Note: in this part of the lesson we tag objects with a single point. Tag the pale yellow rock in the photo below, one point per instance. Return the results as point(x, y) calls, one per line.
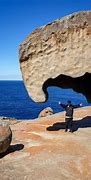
point(61, 47)
point(46, 112)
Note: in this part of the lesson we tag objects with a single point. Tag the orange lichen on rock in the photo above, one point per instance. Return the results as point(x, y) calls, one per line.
point(40, 148)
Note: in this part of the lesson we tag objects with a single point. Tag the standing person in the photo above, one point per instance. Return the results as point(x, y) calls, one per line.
point(69, 108)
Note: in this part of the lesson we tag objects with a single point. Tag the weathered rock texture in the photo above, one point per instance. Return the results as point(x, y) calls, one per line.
point(61, 50)
point(41, 150)
point(5, 136)
point(46, 112)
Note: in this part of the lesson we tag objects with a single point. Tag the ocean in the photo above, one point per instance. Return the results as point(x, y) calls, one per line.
point(15, 102)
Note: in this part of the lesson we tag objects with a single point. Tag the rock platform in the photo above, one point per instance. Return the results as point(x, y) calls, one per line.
point(41, 150)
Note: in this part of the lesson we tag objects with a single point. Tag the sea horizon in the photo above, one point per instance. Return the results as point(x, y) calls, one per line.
point(16, 103)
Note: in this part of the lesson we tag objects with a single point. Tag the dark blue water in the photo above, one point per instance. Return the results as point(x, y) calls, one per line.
point(15, 102)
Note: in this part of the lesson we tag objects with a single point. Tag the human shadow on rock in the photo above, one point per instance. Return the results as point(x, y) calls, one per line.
point(82, 123)
point(11, 149)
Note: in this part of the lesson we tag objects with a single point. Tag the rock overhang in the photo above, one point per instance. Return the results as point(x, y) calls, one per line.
point(57, 54)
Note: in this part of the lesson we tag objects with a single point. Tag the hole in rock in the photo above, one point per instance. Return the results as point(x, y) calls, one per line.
point(80, 84)
point(56, 94)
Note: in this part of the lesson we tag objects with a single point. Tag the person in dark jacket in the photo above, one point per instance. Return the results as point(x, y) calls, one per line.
point(69, 108)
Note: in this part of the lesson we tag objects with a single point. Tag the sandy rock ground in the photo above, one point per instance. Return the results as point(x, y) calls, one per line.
point(42, 150)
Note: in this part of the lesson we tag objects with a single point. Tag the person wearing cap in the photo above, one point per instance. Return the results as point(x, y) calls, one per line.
point(69, 108)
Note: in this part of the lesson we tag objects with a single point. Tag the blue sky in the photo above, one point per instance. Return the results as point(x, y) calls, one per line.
point(19, 17)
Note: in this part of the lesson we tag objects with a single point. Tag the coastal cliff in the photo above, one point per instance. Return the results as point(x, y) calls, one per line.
point(41, 150)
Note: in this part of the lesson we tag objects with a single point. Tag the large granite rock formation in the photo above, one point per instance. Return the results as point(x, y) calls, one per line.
point(58, 54)
point(5, 136)
point(46, 112)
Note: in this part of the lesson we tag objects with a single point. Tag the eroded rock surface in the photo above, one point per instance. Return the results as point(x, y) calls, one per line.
point(62, 47)
point(42, 150)
point(5, 136)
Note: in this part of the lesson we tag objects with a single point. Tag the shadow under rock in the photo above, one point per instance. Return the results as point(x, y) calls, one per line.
point(11, 149)
point(82, 123)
